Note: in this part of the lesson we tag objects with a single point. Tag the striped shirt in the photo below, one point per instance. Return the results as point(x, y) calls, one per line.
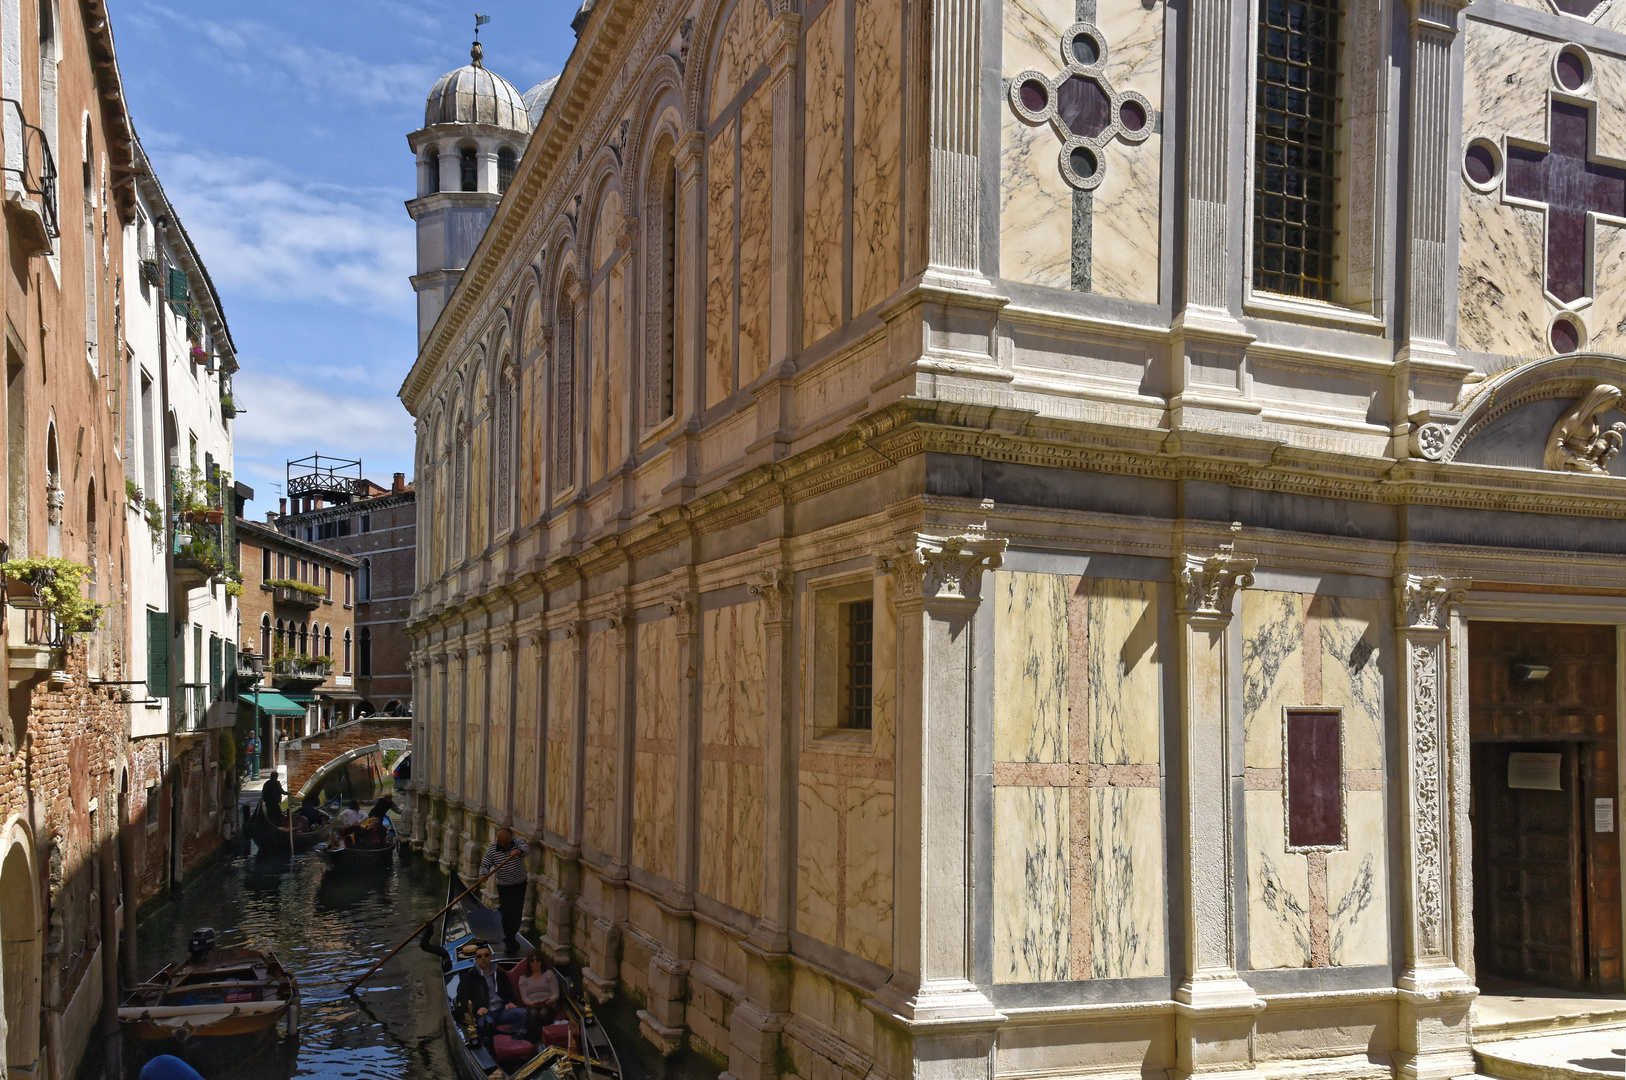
point(512, 872)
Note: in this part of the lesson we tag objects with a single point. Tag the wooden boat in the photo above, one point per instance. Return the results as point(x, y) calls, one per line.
point(588, 1055)
point(214, 993)
point(273, 839)
point(352, 857)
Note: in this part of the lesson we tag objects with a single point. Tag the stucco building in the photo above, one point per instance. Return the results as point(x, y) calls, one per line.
point(1070, 537)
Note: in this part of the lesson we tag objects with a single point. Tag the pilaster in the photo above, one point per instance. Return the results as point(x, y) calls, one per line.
point(1435, 993)
point(1214, 1009)
point(689, 315)
point(603, 943)
point(952, 115)
point(932, 994)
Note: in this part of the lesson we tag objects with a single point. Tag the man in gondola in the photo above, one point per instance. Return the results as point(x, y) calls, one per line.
point(271, 796)
point(511, 875)
point(482, 994)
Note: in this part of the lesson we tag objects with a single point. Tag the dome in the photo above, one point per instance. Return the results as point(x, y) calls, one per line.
point(536, 98)
point(473, 95)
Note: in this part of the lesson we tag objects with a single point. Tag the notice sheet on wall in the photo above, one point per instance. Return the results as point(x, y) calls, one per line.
point(1539, 771)
point(1603, 815)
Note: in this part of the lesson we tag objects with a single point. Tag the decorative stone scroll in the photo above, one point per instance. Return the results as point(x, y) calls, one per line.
point(1579, 442)
point(1423, 601)
point(943, 567)
point(1209, 584)
point(773, 588)
point(1082, 107)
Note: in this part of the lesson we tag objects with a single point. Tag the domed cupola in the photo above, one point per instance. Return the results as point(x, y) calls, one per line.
point(536, 99)
point(474, 95)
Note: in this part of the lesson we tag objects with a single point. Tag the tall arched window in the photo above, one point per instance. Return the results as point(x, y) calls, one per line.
point(265, 635)
point(327, 640)
point(282, 639)
point(460, 479)
point(366, 580)
point(503, 494)
point(431, 166)
point(564, 385)
point(505, 169)
point(364, 666)
point(347, 644)
point(661, 274)
point(468, 170)
point(304, 639)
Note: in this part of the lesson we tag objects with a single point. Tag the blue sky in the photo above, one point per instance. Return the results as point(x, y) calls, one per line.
point(279, 132)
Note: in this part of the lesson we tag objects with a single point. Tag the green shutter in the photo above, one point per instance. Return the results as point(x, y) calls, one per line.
point(158, 654)
point(230, 660)
point(178, 291)
point(216, 678)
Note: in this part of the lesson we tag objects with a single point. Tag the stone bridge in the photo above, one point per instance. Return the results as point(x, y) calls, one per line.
point(315, 759)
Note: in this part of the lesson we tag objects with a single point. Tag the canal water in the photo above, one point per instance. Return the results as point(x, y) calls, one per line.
point(328, 928)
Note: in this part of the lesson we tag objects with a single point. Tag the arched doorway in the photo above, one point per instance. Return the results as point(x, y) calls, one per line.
point(19, 956)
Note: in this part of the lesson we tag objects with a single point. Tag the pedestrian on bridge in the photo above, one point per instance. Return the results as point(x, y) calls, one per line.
point(510, 883)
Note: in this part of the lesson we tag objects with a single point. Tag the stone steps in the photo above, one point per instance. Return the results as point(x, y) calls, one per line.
point(1581, 1054)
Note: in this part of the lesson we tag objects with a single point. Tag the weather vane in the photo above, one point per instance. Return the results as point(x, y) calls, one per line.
point(479, 21)
point(476, 50)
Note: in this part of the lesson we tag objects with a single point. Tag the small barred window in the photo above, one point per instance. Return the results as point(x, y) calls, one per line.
point(858, 639)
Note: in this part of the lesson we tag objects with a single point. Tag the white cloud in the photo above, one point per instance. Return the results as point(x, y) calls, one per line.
point(278, 236)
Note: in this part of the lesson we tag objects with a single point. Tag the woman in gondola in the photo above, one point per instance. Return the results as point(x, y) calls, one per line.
point(536, 985)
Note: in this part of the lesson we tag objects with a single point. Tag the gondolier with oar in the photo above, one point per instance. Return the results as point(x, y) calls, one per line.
point(510, 878)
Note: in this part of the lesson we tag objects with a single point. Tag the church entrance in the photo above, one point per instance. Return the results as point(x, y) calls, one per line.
point(1545, 784)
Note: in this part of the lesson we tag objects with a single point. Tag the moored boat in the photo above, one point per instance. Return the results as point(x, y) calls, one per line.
point(356, 857)
point(574, 1047)
point(213, 993)
point(273, 839)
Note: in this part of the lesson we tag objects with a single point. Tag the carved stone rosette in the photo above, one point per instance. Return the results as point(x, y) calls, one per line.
point(935, 568)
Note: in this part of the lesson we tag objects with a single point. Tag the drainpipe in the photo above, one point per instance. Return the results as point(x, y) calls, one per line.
point(108, 854)
point(177, 856)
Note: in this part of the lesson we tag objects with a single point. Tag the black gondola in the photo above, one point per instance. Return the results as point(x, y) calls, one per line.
point(354, 857)
point(273, 839)
point(589, 1053)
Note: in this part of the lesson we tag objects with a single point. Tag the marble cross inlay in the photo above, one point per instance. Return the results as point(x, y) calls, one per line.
point(1572, 184)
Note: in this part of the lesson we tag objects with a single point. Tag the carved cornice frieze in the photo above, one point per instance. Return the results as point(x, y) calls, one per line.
point(1424, 601)
point(942, 568)
point(1209, 583)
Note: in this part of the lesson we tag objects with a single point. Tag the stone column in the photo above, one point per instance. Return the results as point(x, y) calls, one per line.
point(689, 321)
point(1427, 372)
point(932, 994)
point(948, 113)
point(758, 1020)
point(1214, 1008)
point(662, 1018)
point(1435, 993)
point(603, 944)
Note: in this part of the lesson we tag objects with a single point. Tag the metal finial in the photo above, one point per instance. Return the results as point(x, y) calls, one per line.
point(478, 53)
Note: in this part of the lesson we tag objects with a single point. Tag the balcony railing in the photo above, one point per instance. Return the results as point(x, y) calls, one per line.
point(192, 707)
point(298, 669)
point(287, 594)
point(37, 169)
point(250, 667)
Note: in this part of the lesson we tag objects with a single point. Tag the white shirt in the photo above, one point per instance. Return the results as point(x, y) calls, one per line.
point(348, 817)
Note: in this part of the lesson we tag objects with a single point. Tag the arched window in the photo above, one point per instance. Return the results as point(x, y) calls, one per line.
point(505, 169)
point(304, 639)
point(347, 644)
point(467, 169)
point(431, 165)
point(282, 639)
point(564, 385)
point(265, 635)
point(505, 450)
point(366, 580)
point(661, 276)
point(54, 495)
point(364, 667)
point(327, 640)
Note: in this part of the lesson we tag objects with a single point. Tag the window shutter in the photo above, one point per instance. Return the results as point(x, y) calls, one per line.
point(177, 292)
point(216, 678)
point(230, 659)
point(158, 654)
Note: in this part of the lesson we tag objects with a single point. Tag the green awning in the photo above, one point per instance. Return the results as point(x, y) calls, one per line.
point(269, 701)
point(303, 699)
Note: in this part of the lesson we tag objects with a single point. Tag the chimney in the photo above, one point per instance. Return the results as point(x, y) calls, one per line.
point(282, 507)
point(398, 485)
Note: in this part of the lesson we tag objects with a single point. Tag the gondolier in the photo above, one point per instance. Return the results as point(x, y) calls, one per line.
point(510, 879)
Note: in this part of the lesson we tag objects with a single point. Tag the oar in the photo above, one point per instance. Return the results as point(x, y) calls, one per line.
point(351, 989)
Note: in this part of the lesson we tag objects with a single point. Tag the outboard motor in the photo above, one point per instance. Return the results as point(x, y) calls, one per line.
point(202, 943)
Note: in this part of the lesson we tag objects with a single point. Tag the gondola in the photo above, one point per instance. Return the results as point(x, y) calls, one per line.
point(273, 839)
point(213, 993)
point(352, 857)
point(585, 1053)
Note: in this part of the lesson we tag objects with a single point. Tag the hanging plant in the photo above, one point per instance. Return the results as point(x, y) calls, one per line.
point(234, 589)
point(57, 583)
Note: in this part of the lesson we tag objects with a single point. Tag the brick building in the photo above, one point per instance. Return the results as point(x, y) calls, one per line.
point(69, 150)
point(377, 527)
point(296, 671)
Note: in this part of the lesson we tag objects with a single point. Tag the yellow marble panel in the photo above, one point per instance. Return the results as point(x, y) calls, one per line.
point(884, 697)
point(1352, 674)
point(869, 869)
point(597, 380)
point(598, 805)
point(1127, 896)
point(1031, 889)
point(818, 863)
point(497, 796)
point(720, 265)
point(1357, 893)
point(561, 723)
point(1125, 222)
point(824, 145)
point(454, 729)
point(525, 731)
point(1030, 667)
point(616, 381)
point(1278, 888)
point(655, 767)
point(756, 202)
point(736, 53)
point(733, 712)
point(1125, 672)
point(714, 830)
point(877, 153)
point(751, 707)
point(474, 763)
point(1272, 672)
point(606, 229)
point(1035, 205)
point(745, 891)
point(479, 494)
point(1032, 33)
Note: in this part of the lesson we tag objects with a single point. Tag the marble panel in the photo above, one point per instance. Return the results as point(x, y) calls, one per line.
point(1125, 672)
point(654, 834)
point(737, 51)
point(714, 830)
point(1030, 667)
point(616, 380)
point(823, 168)
point(1030, 901)
point(756, 203)
point(561, 722)
point(745, 890)
point(733, 713)
point(750, 676)
point(1127, 896)
point(1134, 33)
point(1035, 205)
point(597, 381)
point(497, 795)
point(1278, 888)
point(1272, 671)
point(877, 154)
point(1352, 674)
point(1609, 84)
point(869, 869)
point(884, 697)
point(1032, 33)
point(606, 229)
point(1506, 76)
point(526, 736)
point(598, 806)
point(454, 735)
point(1126, 222)
point(819, 862)
point(720, 265)
point(1608, 334)
point(479, 488)
point(1357, 892)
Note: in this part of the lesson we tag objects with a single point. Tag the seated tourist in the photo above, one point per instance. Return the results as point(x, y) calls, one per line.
point(536, 985)
point(481, 997)
point(311, 810)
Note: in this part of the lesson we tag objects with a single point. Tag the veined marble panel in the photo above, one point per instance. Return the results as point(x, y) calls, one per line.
point(877, 135)
point(733, 712)
point(869, 869)
point(500, 733)
point(526, 737)
point(1126, 210)
point(1278, 888)
point(479, 489)
point(1125, 672)
point(819, 864)
point(1357, 892)
point(561, 722)
point(824, 145)
point(737, 54)
point(615, 365)
point(1030, 667)
point(1032, 34)
point(1272, 672)
point(598, 804)
point(1032, 915)
point(884, 695)
point(654, 800)
point(1608, 334)
point(1035, 205)
point(1506, 76)
point(1126, 894)
point(756, 200)
point(1352, 674)
point(720, 265)
point(454, 729)
point(597, 380)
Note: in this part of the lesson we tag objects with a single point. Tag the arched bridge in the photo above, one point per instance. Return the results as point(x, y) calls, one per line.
point(318, 759)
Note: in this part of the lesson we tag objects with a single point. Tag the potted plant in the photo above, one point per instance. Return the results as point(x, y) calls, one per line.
point(55, 585)
point(228, 407)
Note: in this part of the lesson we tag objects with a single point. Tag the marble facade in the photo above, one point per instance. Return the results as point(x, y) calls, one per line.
point(1118, 513)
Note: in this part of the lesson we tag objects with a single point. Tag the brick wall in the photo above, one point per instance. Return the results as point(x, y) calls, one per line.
point(317, 751)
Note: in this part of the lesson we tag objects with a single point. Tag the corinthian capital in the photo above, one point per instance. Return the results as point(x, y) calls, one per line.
point(1423, 600)
point(1209, 583)
point(772, 587)
point(942, 567)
